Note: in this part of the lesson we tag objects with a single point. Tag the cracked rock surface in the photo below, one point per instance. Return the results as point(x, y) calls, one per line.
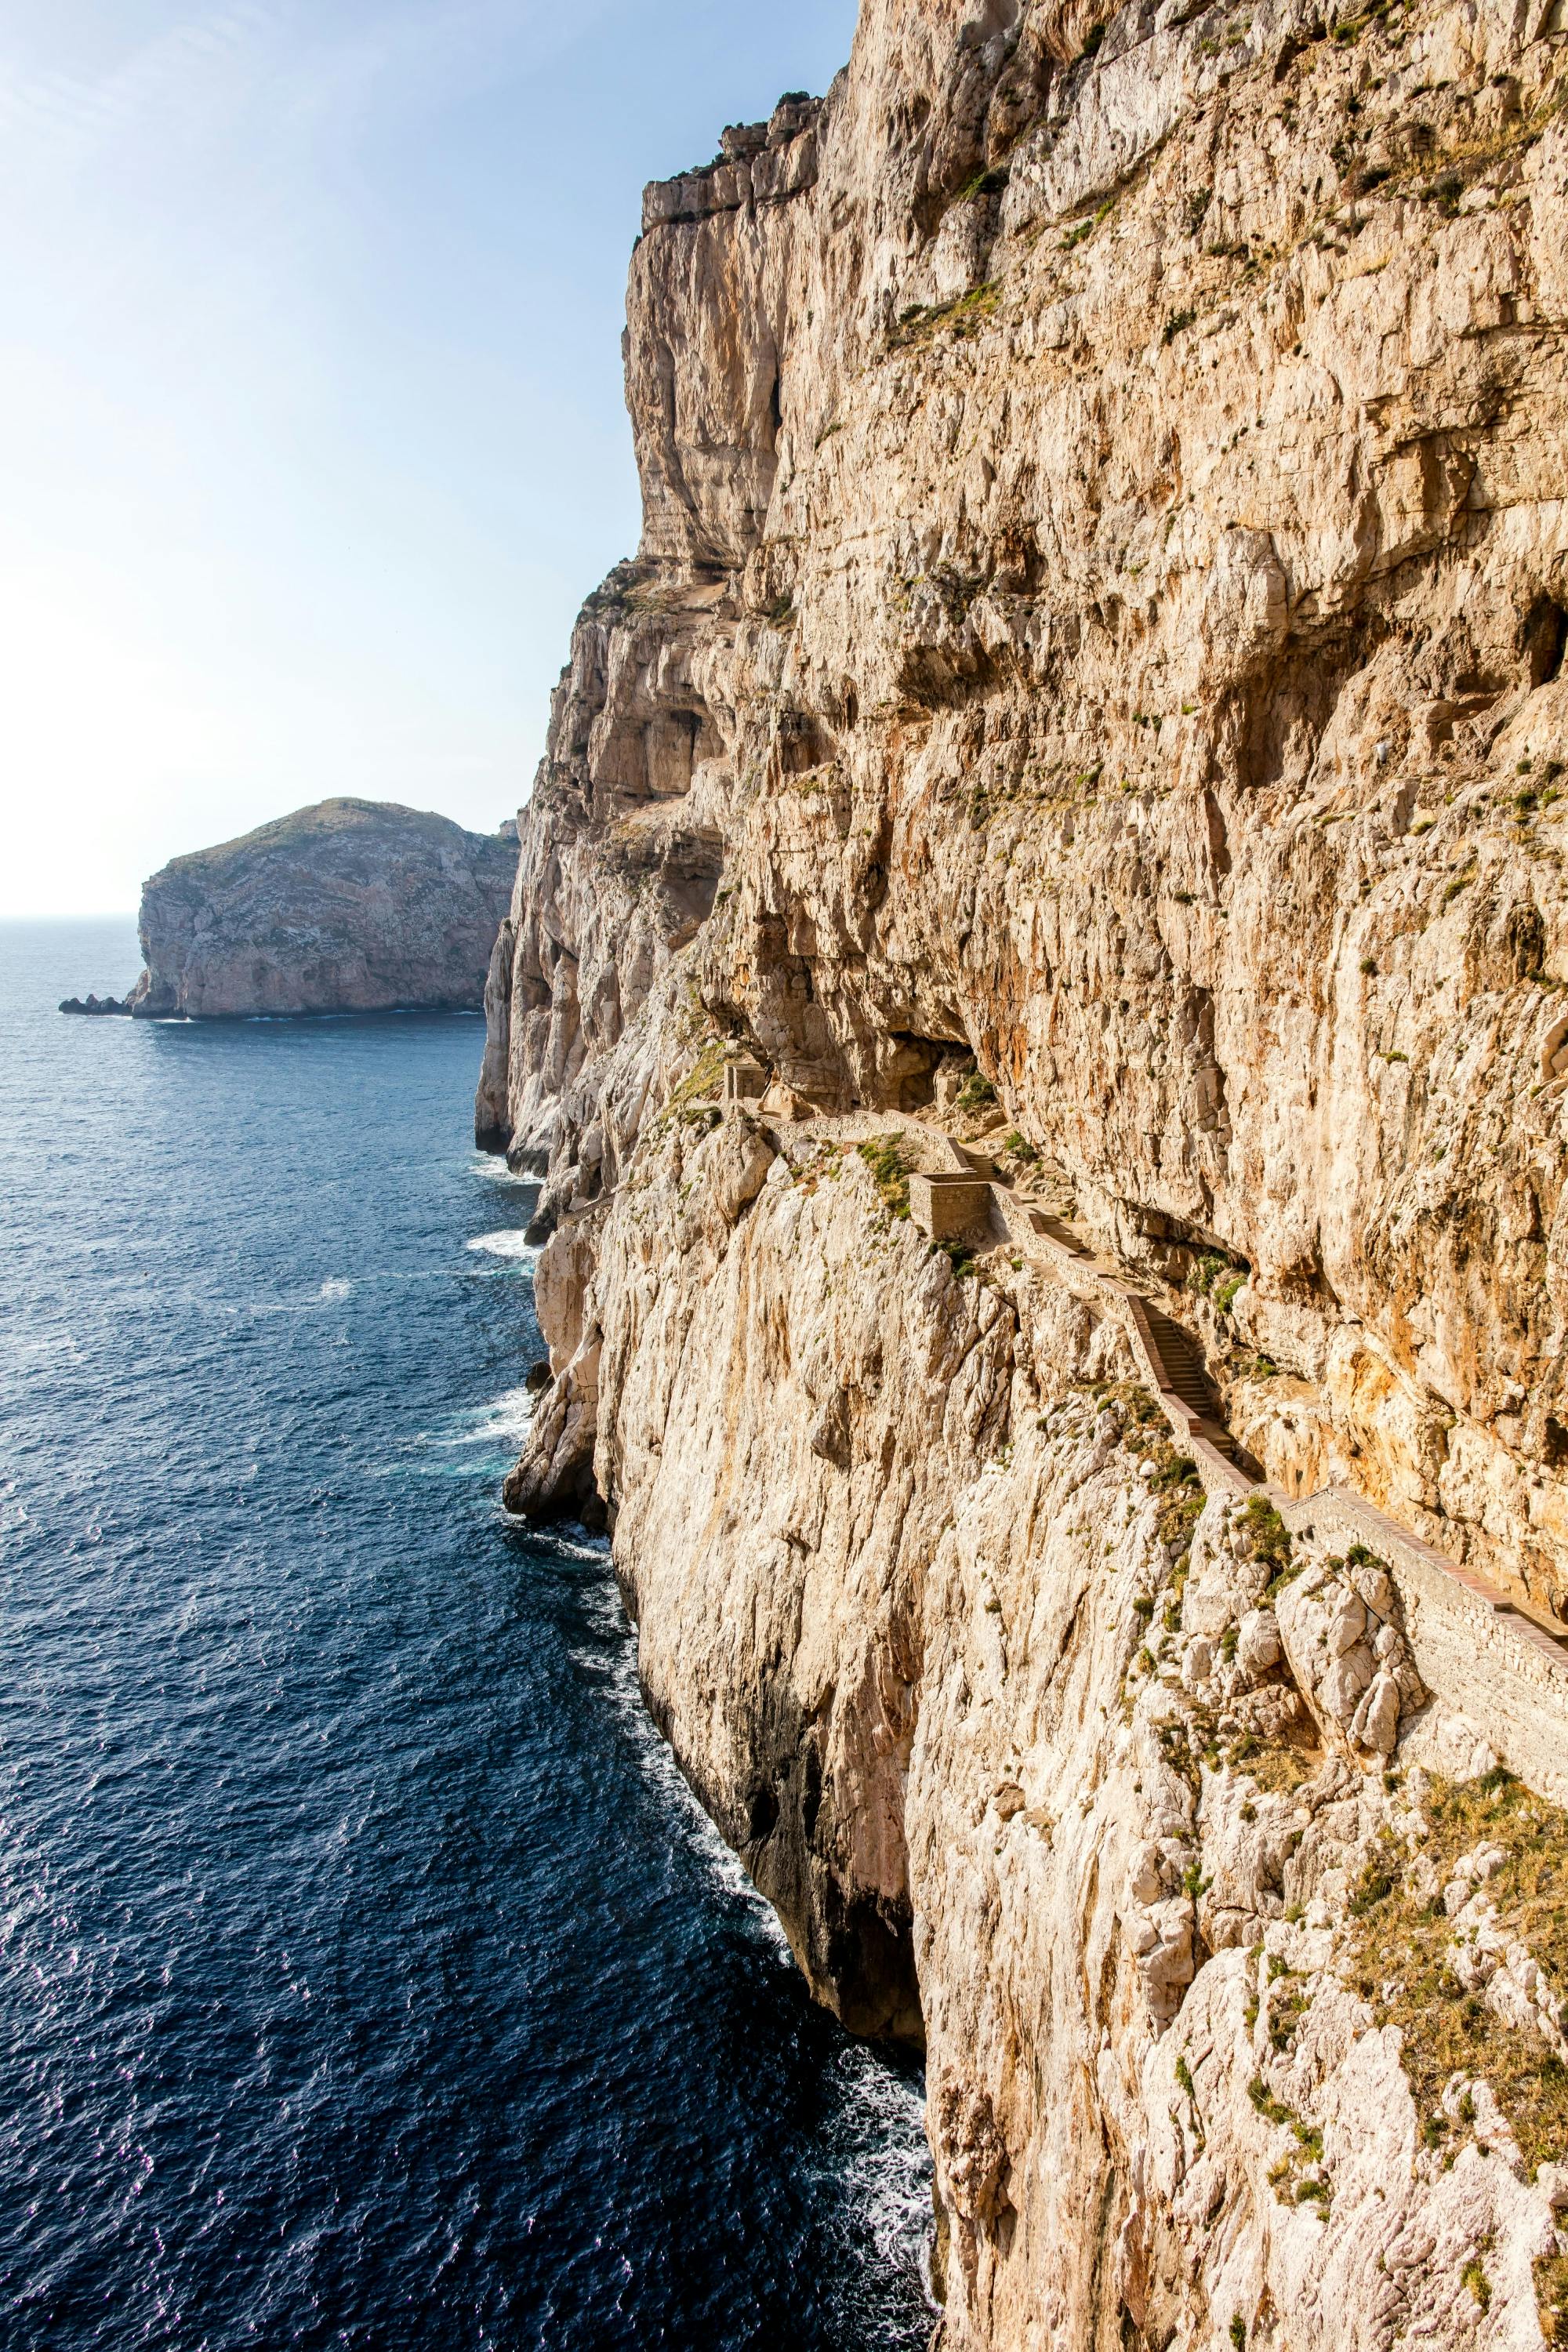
point(1093, 677)
point(1101, 610)
point(1027, 1743)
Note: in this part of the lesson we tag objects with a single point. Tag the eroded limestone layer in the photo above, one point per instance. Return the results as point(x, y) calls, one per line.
point(1093, 677)
point(1240, 1972)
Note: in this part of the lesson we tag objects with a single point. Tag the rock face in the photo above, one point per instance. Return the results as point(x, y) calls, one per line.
point(348, 907)
point(1092, 679)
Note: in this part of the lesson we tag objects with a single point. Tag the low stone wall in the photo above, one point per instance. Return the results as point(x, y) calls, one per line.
point(1484, 1659)
point(945, 1207)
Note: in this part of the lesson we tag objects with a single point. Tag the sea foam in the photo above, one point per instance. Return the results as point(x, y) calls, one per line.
point(510, 1242)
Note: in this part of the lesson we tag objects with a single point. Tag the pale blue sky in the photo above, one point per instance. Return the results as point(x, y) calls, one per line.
point(310, 429)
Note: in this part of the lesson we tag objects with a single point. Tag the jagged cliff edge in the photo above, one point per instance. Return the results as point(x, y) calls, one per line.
point(1098, 643)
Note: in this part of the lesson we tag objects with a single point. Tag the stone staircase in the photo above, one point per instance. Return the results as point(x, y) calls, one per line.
point(1187, 1379)
point(969, 1197)
point(1170, 1355)
point(1492, 1658)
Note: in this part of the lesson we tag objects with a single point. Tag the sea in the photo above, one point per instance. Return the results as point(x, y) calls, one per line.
point(368, 1975)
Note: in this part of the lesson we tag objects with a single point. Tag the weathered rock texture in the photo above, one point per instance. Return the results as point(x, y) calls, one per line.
point(99, 1005)
point(348, 907)
point(1098, 637)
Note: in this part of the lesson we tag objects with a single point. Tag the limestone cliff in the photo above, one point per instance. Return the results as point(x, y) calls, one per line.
point(1089, 706)
point(348, 906)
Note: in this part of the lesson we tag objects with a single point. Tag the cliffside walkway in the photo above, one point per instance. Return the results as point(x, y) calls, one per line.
point(1489, 1656)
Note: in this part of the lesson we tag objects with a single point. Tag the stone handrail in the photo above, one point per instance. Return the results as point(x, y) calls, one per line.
point(1483, 1655)
point(1487, 1659)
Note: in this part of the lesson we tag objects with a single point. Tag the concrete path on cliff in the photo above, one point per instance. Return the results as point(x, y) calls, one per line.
point(1489, 1654)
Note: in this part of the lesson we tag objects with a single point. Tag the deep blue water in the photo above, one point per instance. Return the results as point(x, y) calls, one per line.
point(367, 1977)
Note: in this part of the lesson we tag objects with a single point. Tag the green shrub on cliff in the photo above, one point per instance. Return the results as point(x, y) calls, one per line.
point(886, 1159)
point(975, 1093)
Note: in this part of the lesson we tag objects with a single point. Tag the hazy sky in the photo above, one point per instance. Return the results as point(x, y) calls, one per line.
point(310, 429)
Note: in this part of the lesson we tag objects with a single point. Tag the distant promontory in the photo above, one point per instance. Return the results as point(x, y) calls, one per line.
point(348, 907)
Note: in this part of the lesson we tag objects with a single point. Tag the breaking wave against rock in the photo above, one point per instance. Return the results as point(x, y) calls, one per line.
point(508, 1243)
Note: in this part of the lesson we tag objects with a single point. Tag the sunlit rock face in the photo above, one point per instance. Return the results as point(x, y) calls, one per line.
point(348, 906)
point(1100, 626)
point(1141, 666)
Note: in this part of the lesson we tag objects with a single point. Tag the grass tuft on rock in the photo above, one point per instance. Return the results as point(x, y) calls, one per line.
point(1400, 1958)
point(1147, 1434)
point(977, 1093)
point(962, 317)
point(1268, 1541)
point(704, 1082)
point(885, 1157)
point(1552, 2297)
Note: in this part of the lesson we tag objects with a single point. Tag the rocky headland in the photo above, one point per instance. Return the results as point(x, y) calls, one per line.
point(348, 907)
point(1037, 993)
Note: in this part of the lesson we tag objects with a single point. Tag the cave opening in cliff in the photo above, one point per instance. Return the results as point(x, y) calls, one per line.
point(1545, 637)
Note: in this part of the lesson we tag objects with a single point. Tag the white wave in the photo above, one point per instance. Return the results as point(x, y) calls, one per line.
point(886, 2169)
point(507, 1244)
point(505, 1422)
point(616, 1671)
point(586, 1547)
point(334, 1290)
point(878, 2159)
point(491, 1171)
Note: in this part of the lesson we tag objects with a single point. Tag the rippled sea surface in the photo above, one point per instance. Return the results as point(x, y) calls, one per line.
point(367, 1977)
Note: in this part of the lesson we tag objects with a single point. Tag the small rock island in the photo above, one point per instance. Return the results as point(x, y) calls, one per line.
point(351, 906)
point(95, 1005)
